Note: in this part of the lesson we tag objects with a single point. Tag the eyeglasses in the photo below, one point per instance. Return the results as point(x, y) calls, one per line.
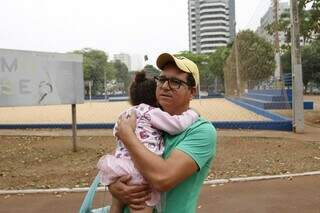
point(173, 83)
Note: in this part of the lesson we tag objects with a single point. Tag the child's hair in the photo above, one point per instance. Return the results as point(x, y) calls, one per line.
point(143, 90)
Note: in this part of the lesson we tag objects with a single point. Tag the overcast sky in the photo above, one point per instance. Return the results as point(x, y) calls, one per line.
point(135, 27)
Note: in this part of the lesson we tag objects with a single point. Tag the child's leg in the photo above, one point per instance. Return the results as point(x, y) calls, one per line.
point(116, 206)
point(147, 209)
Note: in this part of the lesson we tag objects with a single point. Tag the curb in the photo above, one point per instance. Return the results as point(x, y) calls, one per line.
point(210, 182)
point(257, 178)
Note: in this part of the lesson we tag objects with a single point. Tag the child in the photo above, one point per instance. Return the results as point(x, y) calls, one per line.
point(151, 121)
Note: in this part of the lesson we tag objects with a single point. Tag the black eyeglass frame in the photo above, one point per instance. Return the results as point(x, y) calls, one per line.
point(165, 79)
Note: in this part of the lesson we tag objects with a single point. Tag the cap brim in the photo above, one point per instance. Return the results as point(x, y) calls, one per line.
point(164, 59)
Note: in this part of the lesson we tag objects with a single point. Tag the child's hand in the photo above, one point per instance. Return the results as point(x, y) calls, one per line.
point(130, 120)
point(126, 124)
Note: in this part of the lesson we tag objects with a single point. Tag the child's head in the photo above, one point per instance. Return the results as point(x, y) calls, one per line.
point(143, 90)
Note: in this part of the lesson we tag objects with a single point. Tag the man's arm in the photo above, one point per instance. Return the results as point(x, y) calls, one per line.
point(162, 174)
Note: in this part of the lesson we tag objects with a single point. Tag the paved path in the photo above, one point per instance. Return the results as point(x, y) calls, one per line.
point(295, 196)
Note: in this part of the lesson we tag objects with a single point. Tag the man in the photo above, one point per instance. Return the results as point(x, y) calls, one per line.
point(187, 156)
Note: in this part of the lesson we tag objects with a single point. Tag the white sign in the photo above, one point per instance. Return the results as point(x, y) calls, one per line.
point(30, 78)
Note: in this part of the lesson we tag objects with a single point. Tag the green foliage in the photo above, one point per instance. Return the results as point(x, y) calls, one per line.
point(309, 21)
point(95, 68)
point(286, 61)
point(310, 63)
point(122, 75)
point(199, 59)
point(210, 66)
point(217, 61)
point(313, 14)
point(256, 62)
point(229, 74)
point(202, 61)
point(151, 71)
point(256, 57)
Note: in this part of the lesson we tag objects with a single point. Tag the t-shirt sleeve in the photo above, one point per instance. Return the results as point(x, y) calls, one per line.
point(200, 144)
point(172, 124)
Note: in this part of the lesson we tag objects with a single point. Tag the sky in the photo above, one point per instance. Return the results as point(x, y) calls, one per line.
point(144, 27)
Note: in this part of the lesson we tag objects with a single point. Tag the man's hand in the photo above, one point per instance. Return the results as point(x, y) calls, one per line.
point(126, 125)
point(133, 195)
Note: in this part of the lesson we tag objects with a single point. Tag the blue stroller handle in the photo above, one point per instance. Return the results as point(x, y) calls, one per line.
point(86, 206)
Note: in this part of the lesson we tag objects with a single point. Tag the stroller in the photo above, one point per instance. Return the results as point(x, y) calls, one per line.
point(86, 206)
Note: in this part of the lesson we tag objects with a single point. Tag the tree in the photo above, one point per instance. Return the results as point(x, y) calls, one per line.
point(313, 14)
point(217, 61)
point(256, 61)
point(122, 76)
point(151, 71)
point(210, 67)
point(202, 61)
point(309, 21)
point(95, 68)
point(310, 63)
point(198, 59)
point(256, 56)
point(286, 61)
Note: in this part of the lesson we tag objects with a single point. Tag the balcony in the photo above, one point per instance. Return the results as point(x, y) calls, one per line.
point(214, 41)
point(214, 35)
point(213, 11)
point(214, 32)
point(212, 28)
point(212, 16)
point(212, 4)
point(208, 46)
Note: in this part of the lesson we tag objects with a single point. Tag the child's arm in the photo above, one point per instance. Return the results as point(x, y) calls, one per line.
point(172, 124)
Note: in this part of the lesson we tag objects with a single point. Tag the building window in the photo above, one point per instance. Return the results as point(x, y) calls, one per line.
point(214, 24)
point(214, 36)
point(209, 48)
point(214, 42)
point(215, 19)
point(212, 30)
point(213, 7)
point(213, 13)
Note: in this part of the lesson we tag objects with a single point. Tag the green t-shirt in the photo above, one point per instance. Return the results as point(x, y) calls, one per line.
point(199, 142)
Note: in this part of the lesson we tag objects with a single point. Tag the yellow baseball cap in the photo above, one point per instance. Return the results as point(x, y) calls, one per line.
point(184, 64)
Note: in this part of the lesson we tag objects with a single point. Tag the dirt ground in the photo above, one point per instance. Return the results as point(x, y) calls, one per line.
point(311, 117)
point(48, 161)
point(42, 161)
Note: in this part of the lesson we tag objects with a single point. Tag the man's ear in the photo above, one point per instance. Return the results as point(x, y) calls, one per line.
point(193, 92)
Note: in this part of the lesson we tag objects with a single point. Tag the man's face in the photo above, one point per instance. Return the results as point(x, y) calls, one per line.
point(172, 100)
